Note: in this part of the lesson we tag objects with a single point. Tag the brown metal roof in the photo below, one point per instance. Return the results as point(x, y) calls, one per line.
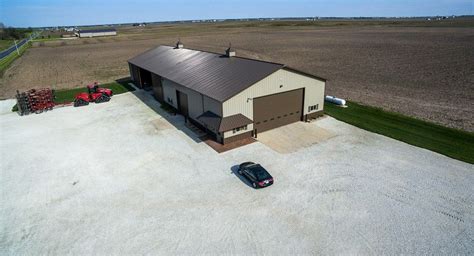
point(217, 123)
point(230, 122)
point(214, 75)
point(211, 120)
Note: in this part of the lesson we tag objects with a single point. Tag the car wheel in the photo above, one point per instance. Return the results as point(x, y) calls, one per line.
point(254, 185)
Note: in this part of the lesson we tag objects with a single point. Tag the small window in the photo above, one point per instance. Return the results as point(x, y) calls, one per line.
point(239, 129)
point(291, 113)
point(258, 122)
point(314, 107)
point(278, 117)
point(265, 121)
point(271, 119)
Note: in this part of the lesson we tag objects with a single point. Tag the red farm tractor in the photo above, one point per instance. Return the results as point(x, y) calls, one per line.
point(93, 94)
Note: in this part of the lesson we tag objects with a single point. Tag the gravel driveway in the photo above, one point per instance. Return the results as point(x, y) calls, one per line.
point(118, 178)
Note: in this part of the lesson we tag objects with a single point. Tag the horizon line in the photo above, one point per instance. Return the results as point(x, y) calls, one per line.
point(248, 19)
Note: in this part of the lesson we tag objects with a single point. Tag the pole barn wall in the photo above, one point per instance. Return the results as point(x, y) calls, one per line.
point(278, 82)
point(97, 34)
point(134, 74)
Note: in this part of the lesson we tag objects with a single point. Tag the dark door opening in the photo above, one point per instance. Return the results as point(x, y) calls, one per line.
point(145, 79)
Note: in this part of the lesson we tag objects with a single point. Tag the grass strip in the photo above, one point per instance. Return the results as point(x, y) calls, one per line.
point(450, 142)
point(67, 95)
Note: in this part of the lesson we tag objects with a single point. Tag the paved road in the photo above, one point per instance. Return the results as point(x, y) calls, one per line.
point(6, 52)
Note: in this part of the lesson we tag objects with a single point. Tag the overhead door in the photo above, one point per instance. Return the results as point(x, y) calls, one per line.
point(277, 109)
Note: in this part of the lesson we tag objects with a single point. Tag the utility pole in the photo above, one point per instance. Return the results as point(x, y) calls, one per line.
point(16, 46)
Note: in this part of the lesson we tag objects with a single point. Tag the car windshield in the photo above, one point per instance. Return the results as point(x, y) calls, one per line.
point(260, 173)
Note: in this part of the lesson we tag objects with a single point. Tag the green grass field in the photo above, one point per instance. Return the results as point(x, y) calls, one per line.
point(67, 96)
point(5, 44)
point(450, 142)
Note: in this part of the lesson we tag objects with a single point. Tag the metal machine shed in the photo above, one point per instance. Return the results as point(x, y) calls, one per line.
point(230, 97)
point(97, 32)
point(211, 74)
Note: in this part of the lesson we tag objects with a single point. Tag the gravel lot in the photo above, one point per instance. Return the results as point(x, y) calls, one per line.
point(118, 178)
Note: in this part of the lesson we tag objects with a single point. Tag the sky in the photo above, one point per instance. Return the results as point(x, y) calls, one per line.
point(38, 13)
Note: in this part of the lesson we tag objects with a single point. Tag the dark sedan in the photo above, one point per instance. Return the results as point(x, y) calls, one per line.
point(258, 176)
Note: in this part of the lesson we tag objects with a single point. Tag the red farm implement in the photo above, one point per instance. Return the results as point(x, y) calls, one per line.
point(35, 101)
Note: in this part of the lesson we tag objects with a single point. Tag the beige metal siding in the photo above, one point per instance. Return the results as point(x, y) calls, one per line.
point(242, 102)
point(231, 133)
point(212, 105)
point(288, 80)
point(197, 103)
point(169, 93)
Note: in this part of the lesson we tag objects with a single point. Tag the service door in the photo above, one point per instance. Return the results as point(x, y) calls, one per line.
point(277, 110)
point(157, 87)
point(182, 103)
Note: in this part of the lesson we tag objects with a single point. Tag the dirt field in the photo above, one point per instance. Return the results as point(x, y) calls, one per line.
point(426, 72)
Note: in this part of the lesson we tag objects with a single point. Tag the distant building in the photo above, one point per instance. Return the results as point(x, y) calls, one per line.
point(97, 32)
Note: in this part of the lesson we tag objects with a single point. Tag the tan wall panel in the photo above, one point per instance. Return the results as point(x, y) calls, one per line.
point(242, 102)
point(169, 93)
point(212, 105)
point(95, 34)
point(197, 103)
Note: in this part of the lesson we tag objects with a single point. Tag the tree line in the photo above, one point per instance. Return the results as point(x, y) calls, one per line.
point(14, 33)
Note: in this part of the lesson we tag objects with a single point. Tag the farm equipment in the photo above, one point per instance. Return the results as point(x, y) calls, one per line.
point(94, 94)
point(35, 101)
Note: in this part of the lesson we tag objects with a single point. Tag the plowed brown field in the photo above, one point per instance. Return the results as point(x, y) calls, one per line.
point(425, 72)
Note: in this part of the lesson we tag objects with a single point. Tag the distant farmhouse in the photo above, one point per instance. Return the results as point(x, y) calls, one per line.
point(97, 32)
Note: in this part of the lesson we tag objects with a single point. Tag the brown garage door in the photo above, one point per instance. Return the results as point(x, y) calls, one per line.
point(277, 110)
point(182, 103)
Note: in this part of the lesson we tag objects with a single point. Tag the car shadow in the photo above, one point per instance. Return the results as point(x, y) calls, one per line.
point(235, 170)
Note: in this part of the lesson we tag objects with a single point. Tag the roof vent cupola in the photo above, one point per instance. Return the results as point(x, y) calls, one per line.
point(179, 44)
point(230, 52)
